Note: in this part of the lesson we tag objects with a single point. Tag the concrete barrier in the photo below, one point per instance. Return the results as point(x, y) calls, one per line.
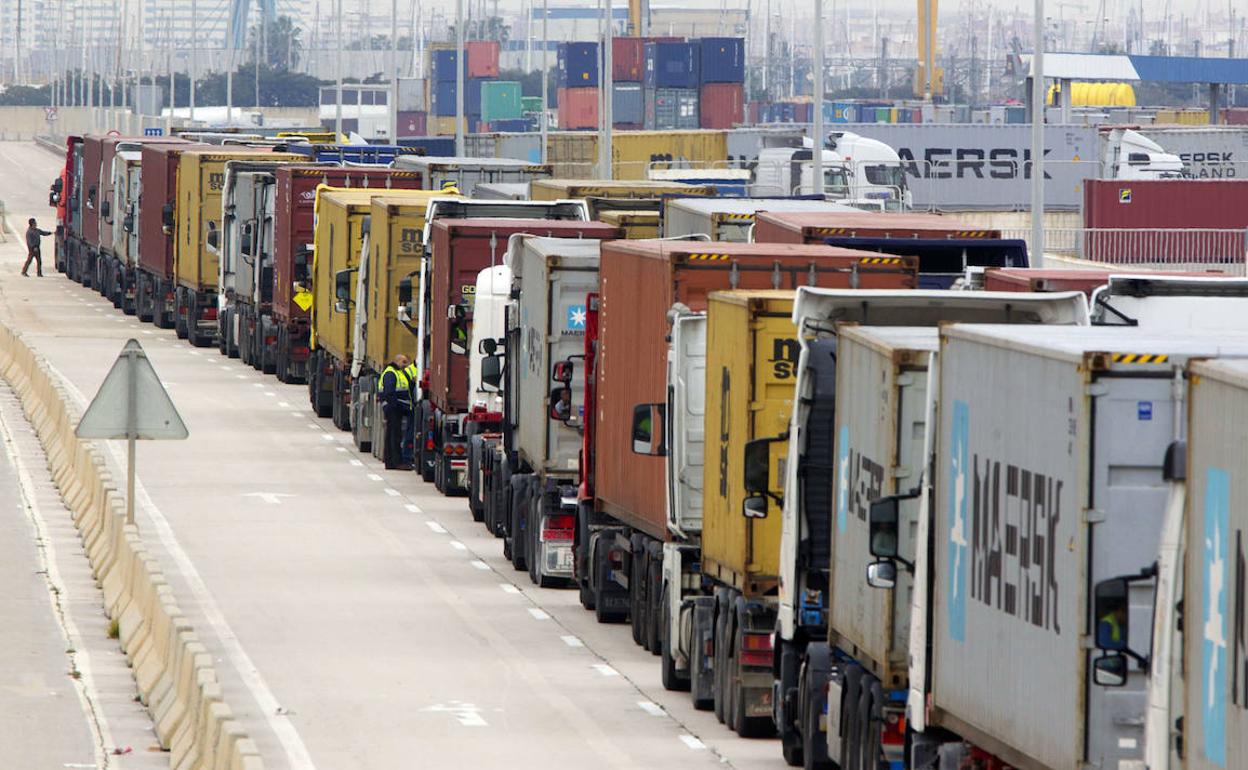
point(173, 672)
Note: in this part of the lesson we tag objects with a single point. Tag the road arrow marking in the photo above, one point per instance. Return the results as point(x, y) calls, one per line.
point(272, 498)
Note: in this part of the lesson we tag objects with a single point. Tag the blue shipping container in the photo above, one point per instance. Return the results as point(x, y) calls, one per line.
point(445, 60)
point(433, 146)
point(380, 154)
point(671, 65)
point(444, 97)
point(578, 65)
point(722, 59)
point(519, 125)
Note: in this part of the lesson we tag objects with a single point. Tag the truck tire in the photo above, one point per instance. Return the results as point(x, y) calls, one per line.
point(601, 571)
point(160, 314)
point(179, 314)
point(851, 690)
point(700, 667)
point(786, 706)
point(533, 522)
point(476, 494)
point(636, 587)
point(223, 332)
point(342, 409)
point(516, 529)
point(719, 649)
point(654, 601)
point(813, 702)
point(583, 558)
point(671, 677)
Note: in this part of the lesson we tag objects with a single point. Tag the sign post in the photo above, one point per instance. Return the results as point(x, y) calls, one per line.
point(131, 404)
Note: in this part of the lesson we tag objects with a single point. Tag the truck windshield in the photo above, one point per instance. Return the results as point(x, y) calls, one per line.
point(836, 182)
point(886, 176)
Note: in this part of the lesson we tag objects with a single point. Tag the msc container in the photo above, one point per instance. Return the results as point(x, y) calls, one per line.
point(500, 100)
point(578, 65)
point(574, 155)
point(640, 280)
point(628, 59)
point(1215, 721)
point(465, 173)
point(462, 248)
point(1044, 279)
point(1050, 450)
point(671, 108)
point(578, 108)
point(722, 105)
point(482, 58)
point(554, 276)
point(751, 371)
point(445, 62)
point(730, 219)
point(671, 65)
point(814, 227)
point(721, 59)
point(633, 224)
point(557, 189)
point(627, 105)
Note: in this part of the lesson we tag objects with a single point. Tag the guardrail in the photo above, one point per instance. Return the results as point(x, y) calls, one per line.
point(1200, 249)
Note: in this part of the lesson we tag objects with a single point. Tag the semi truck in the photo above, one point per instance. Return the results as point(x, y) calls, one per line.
point(732, 219)
point(461, 248)
point(63, 195)
point(858, 170)
point(486, 344)
point(127, 185)
point(816, 503)
point(287, 327)
point(82, 261)
point(464, 174)
point(622, 515)
point(158, 205)
point(201, 178)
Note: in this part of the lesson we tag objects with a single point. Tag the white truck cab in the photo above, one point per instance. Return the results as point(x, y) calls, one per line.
point(1127, 154)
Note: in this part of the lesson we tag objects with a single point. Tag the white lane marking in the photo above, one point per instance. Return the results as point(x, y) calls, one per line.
point(436, 527)
point(356, 463)
point(651, 708)
point(272, 498)
point(538, 614)
point(466, 714)
point(257, 384)
point(148, 331)
point(243, 377)
point(374, 477)
point(508, 588)
point(328, 437)
point(605, 670)
point(412, 508)
point(572, 641)
point(292, 744)
point(313, 425)
point(337, 448)
point(692, 742)
point(193, 352)
point(296, 414)
point(283, 405)
point(271, 394)
point(478, 564)
point(458, 546)
point(392, 492)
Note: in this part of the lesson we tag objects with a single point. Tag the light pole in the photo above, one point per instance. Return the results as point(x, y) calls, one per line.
point(545, 73)
point(394, 71)
point(460, 62)
point(1037, 138)
point(816, 154)
point(607, 79)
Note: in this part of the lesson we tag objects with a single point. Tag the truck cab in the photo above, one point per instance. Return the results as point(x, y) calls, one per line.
point(863, 172)
point(1128, 154)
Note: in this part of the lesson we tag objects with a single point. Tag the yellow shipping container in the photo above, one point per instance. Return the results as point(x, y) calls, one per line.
point(635, 224)
point(558, 189)
point(575, 154)
point(444, 125)
point(751, 368)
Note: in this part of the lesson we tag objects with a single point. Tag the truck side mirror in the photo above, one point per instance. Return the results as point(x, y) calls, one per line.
point(405, 291)
point(166, 218)
point(754, 507)
point(127, 223)
point(1110, 670)
point(487, 346)
point(562, 372)
point(106, 211)
point(342, 290)
point(882, 574)
point(214, 236)
point(492, 370)
point(648, 430)
point(561, 404)
point(758, 466)
point(882, 526)
point(1111, 612)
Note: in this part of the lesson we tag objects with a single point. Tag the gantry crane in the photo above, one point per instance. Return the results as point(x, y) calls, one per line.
point(929, 80)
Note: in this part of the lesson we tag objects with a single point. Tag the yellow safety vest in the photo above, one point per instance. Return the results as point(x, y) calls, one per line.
point(401, 380)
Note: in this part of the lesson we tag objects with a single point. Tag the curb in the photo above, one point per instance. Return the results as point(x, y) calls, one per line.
point(172, 670)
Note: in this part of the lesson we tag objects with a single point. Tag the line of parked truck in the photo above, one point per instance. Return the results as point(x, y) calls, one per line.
point(861, 480)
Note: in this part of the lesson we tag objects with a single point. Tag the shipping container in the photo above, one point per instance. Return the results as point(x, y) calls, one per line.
point(482, 58)
point(575, 155)
point(465, 173)
point(157, 227)
point(635, 225)
point(531, 104)
point(578, 108)
point(632, 367)
point(627, 104)
point(814, 227)
point(722, 105)
point(731, 219)
point(557, 189)
point(92, 169)
point(971, 166)
point(671, 65)
point(721, 60)
point(431, 146)
point(1215, 722)
point(671, 108)
point(1044, 279)
point(444, 125)
point(413, 95)
point(462, 248)
point(445, 62)
point(501, 191)
point(500, 100)
point(578, 65)
point(1039, 509)
point(412, 123)
point(442, 99)
point(628, 59)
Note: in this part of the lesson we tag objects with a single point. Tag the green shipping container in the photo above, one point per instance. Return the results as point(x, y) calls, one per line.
point(500, 100)
point(530, 105)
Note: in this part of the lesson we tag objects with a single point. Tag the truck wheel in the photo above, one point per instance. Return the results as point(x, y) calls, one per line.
point(475, 493)
point(636, 587)
point(851, 688)
point(223, 332)
point(672, 678)
point(160, 315)
point(732, 684)
point(719, 661)
point(785, 710)
point(179, 315)
point(814, 745)
point(533, 545)
point(700, 668)
point(655, 609)
point(518, 532)
point(602, 570)
point(582, 557)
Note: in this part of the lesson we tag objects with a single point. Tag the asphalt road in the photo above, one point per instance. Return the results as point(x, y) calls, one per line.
point(359, 619)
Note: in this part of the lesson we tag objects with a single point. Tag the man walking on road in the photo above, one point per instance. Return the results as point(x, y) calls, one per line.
point(396, 400)
point(33, 234)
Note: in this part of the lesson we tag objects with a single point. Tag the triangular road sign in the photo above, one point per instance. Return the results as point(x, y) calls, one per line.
point(132, 403)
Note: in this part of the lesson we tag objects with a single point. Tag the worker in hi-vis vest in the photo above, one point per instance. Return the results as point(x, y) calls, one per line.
point(409, 434)
point(396, 401)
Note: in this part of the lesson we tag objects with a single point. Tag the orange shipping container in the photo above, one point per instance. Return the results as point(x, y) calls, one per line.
point(640, 280)
point(813, 227)
point(578, 108)
point(482, 58)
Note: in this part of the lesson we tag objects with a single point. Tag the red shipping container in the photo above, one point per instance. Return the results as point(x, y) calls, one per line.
point(1041, 279)
point(640, 280)
point(628, 59)
point(92, 156)
point(814, 226)
point(722, 105)
point(482, 58)
point(1235, 116)
point(413, 123)
point(160, 188)
point(1218, 207)
point(578, 108)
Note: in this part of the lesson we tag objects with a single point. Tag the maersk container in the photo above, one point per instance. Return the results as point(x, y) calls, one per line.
point(672, 65)
point(578, 65)
point(881, 411)
point(1209, 152)
point(730, 219)
point(721, 59)
point(1215, 722)
point(555, 276)
point(1049, 480)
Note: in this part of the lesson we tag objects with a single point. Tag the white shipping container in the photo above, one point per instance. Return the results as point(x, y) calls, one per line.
point(1049, 480)
point(1208, 152)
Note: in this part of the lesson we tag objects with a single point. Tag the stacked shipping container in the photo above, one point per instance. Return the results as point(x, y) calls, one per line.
point(722, 68)
point(578, 85)
point(671, 86)
point(480, 69)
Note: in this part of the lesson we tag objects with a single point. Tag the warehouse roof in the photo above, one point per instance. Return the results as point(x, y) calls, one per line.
point(1158, 69)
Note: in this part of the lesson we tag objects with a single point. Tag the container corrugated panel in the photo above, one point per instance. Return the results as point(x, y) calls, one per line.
point(555, 275)
point(413, 95)
point(159, 189)
point(671, 108)
point(627, 104)
point(482, 58)
point(500, 100)
point(461, 249)
point(751, 367)
point(557, 189)
point(671, 65)
point(443, 98)
point(1044, 279)
point(814, 227)
point(578, 108)
point(640, 281)
point(439, 146)
point(339, 237)
point(722, 59)
point(728, 219)
point(722, 105)
point(1176, 204)
point(628, 59)
point(92, 159)
point(445, 62)
point(578, 65)
point(575, 155)
point(881, 394)
point(413, 124)
point(1215, 720)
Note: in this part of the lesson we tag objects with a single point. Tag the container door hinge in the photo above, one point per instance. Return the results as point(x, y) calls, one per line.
point(1093, 516)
